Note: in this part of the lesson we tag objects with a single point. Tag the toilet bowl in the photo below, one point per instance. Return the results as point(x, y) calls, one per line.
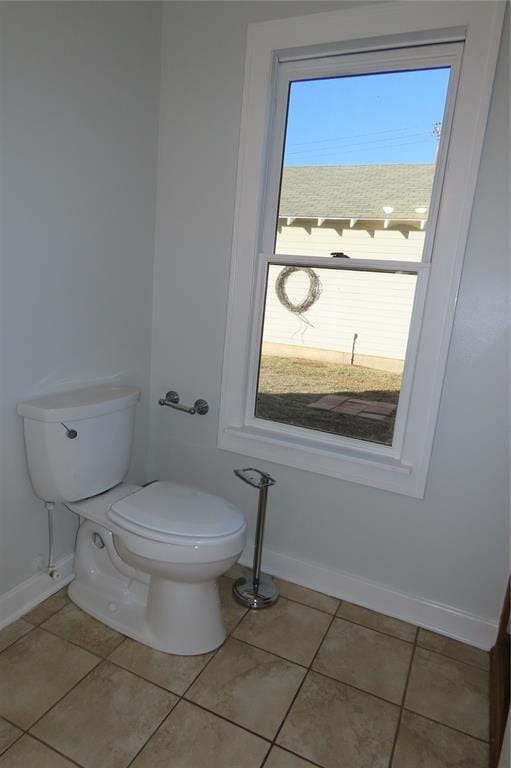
point(147, 562)
point(147, 559)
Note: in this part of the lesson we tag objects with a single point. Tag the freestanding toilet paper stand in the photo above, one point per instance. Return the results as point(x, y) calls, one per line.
point(257, 590)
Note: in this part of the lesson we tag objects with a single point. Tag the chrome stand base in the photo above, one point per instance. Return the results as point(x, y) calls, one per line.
point(266, 595)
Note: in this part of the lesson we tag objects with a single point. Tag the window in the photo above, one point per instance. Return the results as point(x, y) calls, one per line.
point(349, 236)
point(355, 172)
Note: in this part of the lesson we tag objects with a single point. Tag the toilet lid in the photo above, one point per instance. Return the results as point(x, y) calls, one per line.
point(178, 510)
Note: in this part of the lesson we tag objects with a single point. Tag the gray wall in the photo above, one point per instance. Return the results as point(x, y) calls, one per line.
point(450, 547)
point(78, 138)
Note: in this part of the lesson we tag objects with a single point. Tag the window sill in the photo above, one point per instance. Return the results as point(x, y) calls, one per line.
point(361, 467)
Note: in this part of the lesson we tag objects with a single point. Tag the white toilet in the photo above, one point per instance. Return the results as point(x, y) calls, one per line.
point(147, 559)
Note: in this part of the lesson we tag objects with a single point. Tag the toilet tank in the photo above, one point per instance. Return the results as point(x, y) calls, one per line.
point(78, 442)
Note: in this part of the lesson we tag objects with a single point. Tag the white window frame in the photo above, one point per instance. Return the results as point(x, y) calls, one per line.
point(275, 52)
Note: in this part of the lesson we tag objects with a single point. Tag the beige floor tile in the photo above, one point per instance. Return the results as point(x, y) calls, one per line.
point(366, 659)
point(106, 719)
point(378, 621)
point(48, 607)
point(172, 672)
point(333, 725)
point(449, 691)
point(35, 672)
point(307, 596)
point(237, 570)
point(196, 738)
point(78, 627)
point(279, 758)
point(249, 686)
point(287, 629)
point(8, 734)
point(13, 632)
point(30, 753)
point(232, 611)
point(453, 648)
point(423, 744)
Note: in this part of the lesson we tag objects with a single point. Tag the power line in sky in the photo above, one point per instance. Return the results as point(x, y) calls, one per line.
point(355, 136)
point(381, 142)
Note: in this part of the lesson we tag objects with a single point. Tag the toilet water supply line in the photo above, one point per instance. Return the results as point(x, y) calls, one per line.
point(51, 570)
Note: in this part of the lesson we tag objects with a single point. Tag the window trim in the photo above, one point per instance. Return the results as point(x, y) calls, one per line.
point(348, 31)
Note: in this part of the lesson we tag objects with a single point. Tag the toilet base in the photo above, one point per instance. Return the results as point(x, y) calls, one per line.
point(129, 618)
point(174, 617)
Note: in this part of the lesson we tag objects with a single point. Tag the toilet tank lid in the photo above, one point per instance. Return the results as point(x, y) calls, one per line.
point(78, 404)
point(179, 510)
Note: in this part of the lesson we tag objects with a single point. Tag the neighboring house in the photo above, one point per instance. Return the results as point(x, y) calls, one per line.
point(364, 212)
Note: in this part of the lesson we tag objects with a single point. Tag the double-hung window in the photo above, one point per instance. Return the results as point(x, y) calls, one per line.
point(361, 135)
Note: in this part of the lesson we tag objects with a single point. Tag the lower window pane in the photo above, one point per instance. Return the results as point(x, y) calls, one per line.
point(333, 349)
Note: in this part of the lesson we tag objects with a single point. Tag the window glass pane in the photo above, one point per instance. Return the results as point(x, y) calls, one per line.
point(359, 161)
point(333, 349)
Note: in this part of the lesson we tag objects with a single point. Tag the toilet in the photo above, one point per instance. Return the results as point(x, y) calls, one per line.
point(147, 558)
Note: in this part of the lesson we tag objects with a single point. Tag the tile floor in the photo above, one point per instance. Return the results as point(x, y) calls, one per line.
point(310, 682)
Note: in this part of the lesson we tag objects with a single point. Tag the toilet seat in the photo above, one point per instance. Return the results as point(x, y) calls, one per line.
point(176, 514)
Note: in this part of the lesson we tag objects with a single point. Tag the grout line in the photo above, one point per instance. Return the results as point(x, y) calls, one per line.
point(180, 697)
point(38, 623)
point(444, 725)
point(32, 624)
point(355, 687)
point(227, 720)
point(306, 760)
point(83, 647)
point(314, 607)
point(15, 741)
point(320, 644)
point(452, 658)
point(403, 698)
point(11, 722)
point(153, 733)
point(62, 754)
point(26, 634)
point(99, 661)
point(380, 631)
point(230, 634)
point(271, 653)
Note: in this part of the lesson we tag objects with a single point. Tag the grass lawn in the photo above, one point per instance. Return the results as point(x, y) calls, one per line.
point(288, 384)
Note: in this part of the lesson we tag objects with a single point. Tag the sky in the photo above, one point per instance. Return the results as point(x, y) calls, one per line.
point(358, 120)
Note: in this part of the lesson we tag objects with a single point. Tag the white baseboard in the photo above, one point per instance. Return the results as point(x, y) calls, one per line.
point(25, 596)
point(460, 625)
point(474, 630)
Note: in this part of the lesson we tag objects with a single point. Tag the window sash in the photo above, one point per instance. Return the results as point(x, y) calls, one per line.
point(377, 62)
point(404, 59)
point(332, 441)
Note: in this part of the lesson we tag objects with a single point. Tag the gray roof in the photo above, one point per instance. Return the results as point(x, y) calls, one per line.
point(356, 191)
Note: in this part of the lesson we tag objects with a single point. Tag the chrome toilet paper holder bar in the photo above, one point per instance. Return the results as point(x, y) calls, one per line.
point(171, 399)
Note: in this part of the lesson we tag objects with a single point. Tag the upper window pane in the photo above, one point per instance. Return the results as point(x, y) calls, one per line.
point(359, 162)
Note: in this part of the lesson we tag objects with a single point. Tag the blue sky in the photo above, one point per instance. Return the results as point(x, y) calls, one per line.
point(382, 118)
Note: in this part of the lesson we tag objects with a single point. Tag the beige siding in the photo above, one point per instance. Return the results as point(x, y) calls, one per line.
point(375, 306)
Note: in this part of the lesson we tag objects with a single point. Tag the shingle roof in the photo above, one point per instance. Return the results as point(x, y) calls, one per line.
point(356, 191)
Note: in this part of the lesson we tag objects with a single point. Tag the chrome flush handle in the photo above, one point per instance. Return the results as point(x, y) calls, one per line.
point(71, 433)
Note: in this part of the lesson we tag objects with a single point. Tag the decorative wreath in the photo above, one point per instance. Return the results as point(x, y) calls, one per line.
point(313, 293)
